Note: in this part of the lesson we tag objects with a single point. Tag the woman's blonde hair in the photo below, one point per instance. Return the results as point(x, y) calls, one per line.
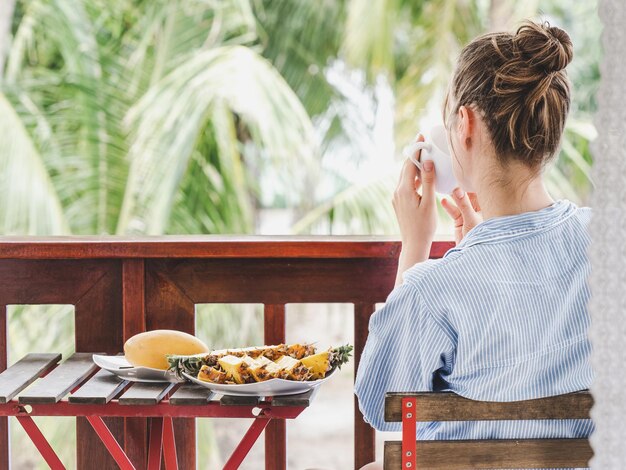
point(519, 84)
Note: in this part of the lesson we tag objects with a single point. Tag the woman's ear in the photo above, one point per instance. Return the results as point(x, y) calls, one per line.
point(466, 124)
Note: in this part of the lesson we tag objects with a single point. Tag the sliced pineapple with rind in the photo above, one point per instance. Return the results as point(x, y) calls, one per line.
point(211, 374)
point(319, 364)
point(293, 369)
point(235, 368)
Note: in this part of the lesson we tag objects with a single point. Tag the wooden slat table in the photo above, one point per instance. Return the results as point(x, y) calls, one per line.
point(77, 387)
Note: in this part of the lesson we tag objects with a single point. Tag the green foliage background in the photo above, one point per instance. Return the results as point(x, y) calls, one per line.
point(192, 116)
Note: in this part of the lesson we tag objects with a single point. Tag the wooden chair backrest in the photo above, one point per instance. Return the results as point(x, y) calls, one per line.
point(497, 453)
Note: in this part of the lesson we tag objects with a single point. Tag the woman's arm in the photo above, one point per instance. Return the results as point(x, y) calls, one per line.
point(416, 214)
point(409, 258)
point(404, 349)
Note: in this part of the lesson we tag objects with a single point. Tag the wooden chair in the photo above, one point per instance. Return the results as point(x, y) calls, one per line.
point(410, 408)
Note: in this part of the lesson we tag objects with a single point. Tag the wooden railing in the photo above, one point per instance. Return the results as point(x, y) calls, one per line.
point(122, 286)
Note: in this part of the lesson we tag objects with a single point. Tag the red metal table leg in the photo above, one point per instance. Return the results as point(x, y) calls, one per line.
point(253, 433)
point(110, 443)
point(156, 443)
point(169, 445)
point(46, 451)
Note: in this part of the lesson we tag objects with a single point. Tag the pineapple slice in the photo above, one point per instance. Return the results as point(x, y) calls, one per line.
point(254, 352)
point(293, 369)
point(235, 368)
point(318, 363)
point(257, 368)
point(271, 370)
point(210, 374)
point(298, 351)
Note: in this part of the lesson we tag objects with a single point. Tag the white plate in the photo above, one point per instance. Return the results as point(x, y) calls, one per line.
point(269, 388)
point(119, 366)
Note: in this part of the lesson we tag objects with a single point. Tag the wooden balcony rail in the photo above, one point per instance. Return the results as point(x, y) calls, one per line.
point(122, 286)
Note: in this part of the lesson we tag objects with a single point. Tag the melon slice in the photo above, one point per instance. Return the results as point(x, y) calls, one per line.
point(149, 349)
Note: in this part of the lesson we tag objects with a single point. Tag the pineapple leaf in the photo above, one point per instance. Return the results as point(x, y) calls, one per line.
point(341, 355)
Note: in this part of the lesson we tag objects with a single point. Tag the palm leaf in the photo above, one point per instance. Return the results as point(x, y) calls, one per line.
point(29, 203)
point(167, 121)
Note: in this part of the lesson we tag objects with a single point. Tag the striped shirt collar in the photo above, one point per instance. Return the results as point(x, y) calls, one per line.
point(499, 228)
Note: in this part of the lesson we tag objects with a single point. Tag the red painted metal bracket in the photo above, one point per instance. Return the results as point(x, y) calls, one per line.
point(409, 438)
point(251, 436)
point(46, 451)
point(162, 441)
point(156, 443)
point(169, 445)
point(110, 443)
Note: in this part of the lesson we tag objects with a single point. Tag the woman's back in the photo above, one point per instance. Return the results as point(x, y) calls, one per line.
point(502, 317)
point(518, 312)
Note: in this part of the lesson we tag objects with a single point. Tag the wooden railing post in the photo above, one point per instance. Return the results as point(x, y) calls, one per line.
point(364, 434)
point(276, 431)
point(4, 421)
point(167, 306)
point(121, 286)
point(134, 313)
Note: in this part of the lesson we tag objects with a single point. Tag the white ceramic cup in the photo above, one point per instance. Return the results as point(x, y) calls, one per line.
point(435, 148)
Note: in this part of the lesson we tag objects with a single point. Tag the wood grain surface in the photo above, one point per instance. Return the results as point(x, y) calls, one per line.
point(141, 393)
point(206, 246)
point(274, 332)
point(364, 434)
point(447, 406)
point(191, 394)
point(121, 286)
point(58, 383)
point(463, 455)
point(24, 372)
point(99, 390)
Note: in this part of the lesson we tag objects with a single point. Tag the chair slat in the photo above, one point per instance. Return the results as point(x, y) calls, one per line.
point(490, 454)
point(302, 399)
point(60, 381)
point(24, 372)
point(188, 394)
point(99, 390)
point(447, 406)
point(145, 393)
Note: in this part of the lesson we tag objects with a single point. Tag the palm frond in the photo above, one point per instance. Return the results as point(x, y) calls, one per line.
point(359, 208)
point(370, 35)
point(167, 121)
point(29, 203)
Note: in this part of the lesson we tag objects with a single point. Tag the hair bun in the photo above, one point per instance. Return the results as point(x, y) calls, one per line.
point(543, 46)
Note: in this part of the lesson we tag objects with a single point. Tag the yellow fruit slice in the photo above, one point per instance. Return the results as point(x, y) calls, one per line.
point(318, 363)
point(210, 374)
point(258, 367)
point(235, 368)
point(298, 351)
point(293, 369)
point(149, 349)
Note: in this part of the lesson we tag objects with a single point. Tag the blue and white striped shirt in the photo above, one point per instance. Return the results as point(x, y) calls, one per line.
point(501, 317)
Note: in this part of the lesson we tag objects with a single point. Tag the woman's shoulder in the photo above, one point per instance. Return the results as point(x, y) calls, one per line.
point(430, 270)
point(584, 214)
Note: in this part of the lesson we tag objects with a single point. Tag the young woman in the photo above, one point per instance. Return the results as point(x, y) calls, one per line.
point(503, 315)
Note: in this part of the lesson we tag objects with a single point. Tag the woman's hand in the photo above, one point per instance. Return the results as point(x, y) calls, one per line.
point(416, 214)
point(464, 211)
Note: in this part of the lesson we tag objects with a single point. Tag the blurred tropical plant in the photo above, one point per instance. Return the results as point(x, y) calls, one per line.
point(142, 117)
point(189, 116)
point(414, 45)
